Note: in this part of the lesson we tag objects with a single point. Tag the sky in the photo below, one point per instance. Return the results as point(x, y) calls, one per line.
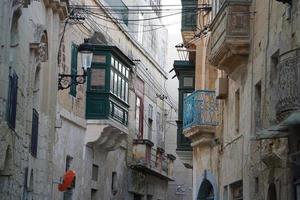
point(174, 37)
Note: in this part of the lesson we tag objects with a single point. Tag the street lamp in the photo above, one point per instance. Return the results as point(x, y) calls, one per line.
point(67, 80)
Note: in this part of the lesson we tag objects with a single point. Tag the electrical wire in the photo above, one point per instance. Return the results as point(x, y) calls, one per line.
point(141, 6)
point(148, 30)
point(93, 24)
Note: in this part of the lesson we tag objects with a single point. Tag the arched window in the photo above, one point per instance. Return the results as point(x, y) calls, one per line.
point(206, 191)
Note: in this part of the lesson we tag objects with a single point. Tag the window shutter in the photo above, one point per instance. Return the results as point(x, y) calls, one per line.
point(34, 132)
point(74, 54)
point(12, 100)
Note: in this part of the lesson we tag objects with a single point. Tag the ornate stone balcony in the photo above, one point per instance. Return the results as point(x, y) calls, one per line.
point(288, 91)
point(152, 161)
point(230, 35)
point(200, 117)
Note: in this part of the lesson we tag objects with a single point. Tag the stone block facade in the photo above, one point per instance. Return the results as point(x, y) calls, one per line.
point(250, 154)
point(50, 133)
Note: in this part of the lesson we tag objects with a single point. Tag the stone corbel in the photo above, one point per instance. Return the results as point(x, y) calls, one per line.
point(105, 137)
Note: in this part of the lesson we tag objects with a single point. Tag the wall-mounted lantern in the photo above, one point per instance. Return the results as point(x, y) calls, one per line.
point(67, 80)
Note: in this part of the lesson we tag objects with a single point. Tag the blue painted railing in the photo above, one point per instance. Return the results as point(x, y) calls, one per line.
point(200, 108)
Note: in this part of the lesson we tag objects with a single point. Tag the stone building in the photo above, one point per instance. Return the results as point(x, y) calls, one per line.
point(111, 130)
point(29, 34)
point(243, 117)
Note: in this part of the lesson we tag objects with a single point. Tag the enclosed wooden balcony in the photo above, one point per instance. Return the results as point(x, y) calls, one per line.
point(230, 35)
point(152, 161)
point(188, 19)
point(200, 117)
point(107, 98)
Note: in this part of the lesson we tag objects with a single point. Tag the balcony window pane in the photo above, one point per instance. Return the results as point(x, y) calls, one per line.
point(127, 73)
point(126, 91)
point(124, 70)
point(120, 67)
point(111, 80)
point(116, 64)
point(115, 83)
point(119, 86)
point(123, 90)
point(112, 61)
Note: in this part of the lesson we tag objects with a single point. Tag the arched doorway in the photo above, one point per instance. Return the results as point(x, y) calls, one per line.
point(272, 192)
point(206, 191)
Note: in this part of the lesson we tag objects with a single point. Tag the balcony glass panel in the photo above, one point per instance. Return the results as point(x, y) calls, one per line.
point(107, 91)
point(200, 108)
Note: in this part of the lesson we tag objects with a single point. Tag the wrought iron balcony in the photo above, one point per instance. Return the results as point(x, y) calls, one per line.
point(230, 35)
point(200, 108)
point(288, 84)
point(152, 161)
point(200, 117)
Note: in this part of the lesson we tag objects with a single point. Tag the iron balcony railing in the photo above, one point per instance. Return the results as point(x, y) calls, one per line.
point(200, 108)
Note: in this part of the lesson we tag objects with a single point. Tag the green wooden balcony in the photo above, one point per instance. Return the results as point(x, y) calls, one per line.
point(107, 96)
point(189, 16)
point(185, 72)
point(188, 19)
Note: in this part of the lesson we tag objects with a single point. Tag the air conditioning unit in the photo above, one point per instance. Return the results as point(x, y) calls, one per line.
point(221, 88)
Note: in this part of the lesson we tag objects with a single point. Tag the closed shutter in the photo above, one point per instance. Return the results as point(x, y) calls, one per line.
point(34, 132)
point(74, 53)
point(12, 100)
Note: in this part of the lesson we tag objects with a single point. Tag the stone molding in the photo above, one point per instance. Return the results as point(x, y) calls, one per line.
point(201, 135)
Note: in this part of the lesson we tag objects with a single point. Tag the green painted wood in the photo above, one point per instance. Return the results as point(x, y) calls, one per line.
point(101, 103)
point(183, 69)
point(189, 17)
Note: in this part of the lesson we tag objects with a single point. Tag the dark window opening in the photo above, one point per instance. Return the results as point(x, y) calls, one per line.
point(237, 111)
point(257, 111)
point(34, 133)
point(93, 194)
point(95, 170)
point(69, 160)
point(114, 183)
point(256, 185)
point(12, 100)
point(237, 190)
